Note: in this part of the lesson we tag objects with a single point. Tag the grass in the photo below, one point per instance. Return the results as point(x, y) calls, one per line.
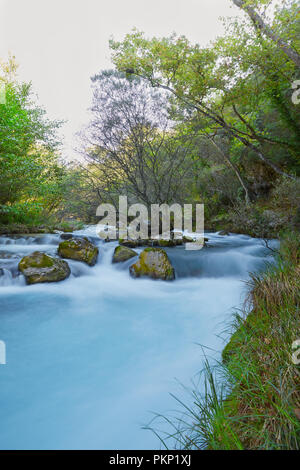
point(251, 400)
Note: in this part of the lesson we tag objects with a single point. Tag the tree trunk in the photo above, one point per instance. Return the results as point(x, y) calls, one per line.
point(235, 169)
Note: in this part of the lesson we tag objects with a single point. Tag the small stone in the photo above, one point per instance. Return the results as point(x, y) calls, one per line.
point(223, 232)
point(130, 243)
point(166, 243)
point(187, 239)
point(123, 253)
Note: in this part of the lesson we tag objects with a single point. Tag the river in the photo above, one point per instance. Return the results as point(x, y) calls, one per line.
point(90, 359)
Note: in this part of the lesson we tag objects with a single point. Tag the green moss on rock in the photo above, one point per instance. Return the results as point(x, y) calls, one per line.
point(153, 263)
point(166, 243)
point(123, 253)
point(39, 267)
point(79, 249)
point(187, 239)
point(130, 243)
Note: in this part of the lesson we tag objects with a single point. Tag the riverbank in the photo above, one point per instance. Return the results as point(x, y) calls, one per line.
point(265, 218)
point(17, 228)
point(259, 407)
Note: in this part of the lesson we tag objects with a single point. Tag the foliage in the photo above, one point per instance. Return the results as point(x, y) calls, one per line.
point(241, 85)
point(131, 145)
point(30, 174)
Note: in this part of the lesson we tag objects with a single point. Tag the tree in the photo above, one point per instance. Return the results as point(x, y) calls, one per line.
point(131, 143)
point(262, 26)
point(196, 77)
point(30, 173)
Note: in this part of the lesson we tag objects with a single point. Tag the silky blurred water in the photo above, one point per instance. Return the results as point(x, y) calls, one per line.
point(91, 358)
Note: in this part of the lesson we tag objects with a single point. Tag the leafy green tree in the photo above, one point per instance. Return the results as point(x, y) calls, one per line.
point(222, 91)
point(30, 173)
point(283, 43)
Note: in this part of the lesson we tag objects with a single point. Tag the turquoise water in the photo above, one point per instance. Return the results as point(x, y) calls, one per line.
point(91, 358)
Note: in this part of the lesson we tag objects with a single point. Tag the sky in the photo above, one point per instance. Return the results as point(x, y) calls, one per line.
point(60, 44)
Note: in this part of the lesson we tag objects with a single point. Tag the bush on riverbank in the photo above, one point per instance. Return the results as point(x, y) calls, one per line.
point(258, 407)
point(45, 227)
point(266, 217)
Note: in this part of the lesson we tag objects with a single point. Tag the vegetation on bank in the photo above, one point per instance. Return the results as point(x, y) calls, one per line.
point(175, 122)
point(35, 182)
point(252, 398)
point(49, 227)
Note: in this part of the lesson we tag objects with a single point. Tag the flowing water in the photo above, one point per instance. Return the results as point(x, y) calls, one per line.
point(91, 358)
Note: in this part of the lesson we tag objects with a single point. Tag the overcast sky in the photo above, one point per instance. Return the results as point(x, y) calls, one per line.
point(59, 44)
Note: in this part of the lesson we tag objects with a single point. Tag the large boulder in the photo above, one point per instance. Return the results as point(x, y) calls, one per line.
point(39, 267)
point(154, 263)
point(122, 253)
point(79, 249)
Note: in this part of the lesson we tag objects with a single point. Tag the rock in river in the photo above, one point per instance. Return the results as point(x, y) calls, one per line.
point(66, 236)
point(79, 249)
point(131, 243)
point(122, 253)
point(39, 267)
point(154, 263)
point(167, 243)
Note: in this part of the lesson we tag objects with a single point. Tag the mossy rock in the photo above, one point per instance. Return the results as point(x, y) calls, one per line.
point(79, 249)
point(187, 239)
point(66, 236)
point(39, 267)
point(166, 243)
point(153, 263)
point(123, 253)
point(130, 243)
point(224, 233)
point(151, 242)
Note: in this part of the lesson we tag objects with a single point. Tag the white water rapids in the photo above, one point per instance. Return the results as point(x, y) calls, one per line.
point(90, 358)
